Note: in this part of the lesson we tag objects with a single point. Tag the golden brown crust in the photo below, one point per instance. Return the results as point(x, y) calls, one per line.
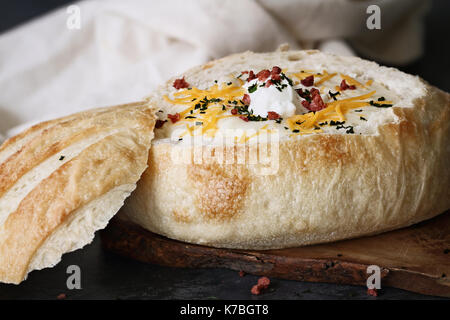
point(53, 137)
point(219, 191)
point(116, 159)
point(34, 129)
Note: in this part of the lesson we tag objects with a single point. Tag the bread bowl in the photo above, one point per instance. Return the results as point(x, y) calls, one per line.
point(370, 155)
point(63, 179)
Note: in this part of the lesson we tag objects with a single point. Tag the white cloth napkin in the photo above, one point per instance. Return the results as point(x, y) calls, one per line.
point(124, 49)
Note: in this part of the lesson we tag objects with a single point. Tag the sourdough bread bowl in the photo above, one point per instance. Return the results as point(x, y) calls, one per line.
point(63, 179)
point(357, 149)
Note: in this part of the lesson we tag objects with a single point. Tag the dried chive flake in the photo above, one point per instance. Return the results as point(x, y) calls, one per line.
point(333, 95)
point(252, 88)
point(380, 105)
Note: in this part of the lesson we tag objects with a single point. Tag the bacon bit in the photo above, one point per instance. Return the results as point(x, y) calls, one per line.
point(180, 84)
point(255, 290)
point(276, 77)
point(244, 118)
point(263, 283)
point(275, 70)
point(268, 83)
point(305, 104)
point(263, 75)
point(275, 73)
point(246, 99)
point(241, 273)
point(174, 117)
point(308, 81)
point(314, 92)
point(271, 115)
point(372, 292)
point(251, 76)
point(302, 93)
point(61, 296)
point(317, 103)
point(344, 86)
point(234, 111)
point(159, 123)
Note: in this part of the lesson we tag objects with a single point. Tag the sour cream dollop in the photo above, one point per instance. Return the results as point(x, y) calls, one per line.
point(280, 98)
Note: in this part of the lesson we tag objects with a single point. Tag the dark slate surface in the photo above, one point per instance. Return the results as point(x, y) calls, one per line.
point(107, 276)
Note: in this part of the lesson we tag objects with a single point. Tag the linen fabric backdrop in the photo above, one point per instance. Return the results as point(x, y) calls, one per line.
point(125, 49)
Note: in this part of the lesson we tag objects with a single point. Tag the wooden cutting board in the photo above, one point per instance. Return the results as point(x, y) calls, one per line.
point(416, 258)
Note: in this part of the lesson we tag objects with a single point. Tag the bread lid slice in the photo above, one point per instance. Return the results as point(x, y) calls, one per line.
point(62, 180)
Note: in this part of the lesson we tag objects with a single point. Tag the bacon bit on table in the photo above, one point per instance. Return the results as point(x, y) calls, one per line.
point(372, 292)
point(263, 283)
point(246, 99)
point(180, 84)
point(174, 117)
point(241, 273)
point(345, 86)
point(308, 81)
point(271, 115)
point(255, 290)
point(61, 296)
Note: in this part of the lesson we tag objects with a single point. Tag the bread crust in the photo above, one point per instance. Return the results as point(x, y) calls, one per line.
point(328, 187)
point(110, 153)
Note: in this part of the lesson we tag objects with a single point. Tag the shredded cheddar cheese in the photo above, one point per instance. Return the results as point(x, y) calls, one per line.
point(213, 113)
point(350, 81)
point(306, 123)
point(325, 77)
point(204, 108)
point(303, 74)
